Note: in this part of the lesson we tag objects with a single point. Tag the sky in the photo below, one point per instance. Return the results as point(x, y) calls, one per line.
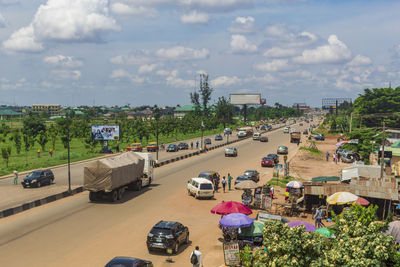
point(152, 52)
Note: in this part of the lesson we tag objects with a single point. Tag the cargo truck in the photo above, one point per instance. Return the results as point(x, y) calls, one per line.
point(295, 137)
point(110, 177)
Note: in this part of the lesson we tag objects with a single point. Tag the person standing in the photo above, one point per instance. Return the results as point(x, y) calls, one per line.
point(191, 145)
point(196, 258)
point(318, 218)
point(16, 177)
point(229, 181)
point(197, 145)
point(338, 157)
point(272, 190)
point(215, 180)
point(327, 156)
point(51, 152)
point(223, 183)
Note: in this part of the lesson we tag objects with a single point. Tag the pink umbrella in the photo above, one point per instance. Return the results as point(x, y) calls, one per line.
point(229, 207)
point(341, 143)
point(362, 201)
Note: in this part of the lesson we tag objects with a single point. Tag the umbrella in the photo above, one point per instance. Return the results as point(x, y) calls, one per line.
point(394, 230)
point(254, 230)
point(248, 184)
point(294, 184)
point(228, 207)
point(341, 143)
point(362, 201)
point(236, 220)
point(309, 227)
point(325, 232)
point(341, 198)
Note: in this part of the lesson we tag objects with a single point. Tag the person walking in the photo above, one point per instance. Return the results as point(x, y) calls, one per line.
point(191, 145)
point(16, 177)
point(327, 156)
point(318, 218)
point(335, 158)
point(229, 181)
point(338, 157)
point(215, 181)
point(197, 145)
point(196, 258)
point(223, 183)
point(272, 190)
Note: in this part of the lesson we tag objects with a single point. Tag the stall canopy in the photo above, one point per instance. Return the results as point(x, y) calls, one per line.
point(341, 198)
point(228, 207)
point(325, 179)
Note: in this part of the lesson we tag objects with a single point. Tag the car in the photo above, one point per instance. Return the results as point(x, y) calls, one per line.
point(227, 131)
point(135, 147)
point(152, 147)
point(128, 262)
point(231, 152)
point(286, 129)
point(263, 138)
point(207, 141)
point(301, 124)
point(263, 127)
point(241, 134)
point(242, 178)
point(305, 131)
point(38, 178)
point(172, 148)
point(269, 127)
point(200, 188)
point(210, 175)
point(218, 137)
point(253, 174)
point(293, 130)
point(320, 137)
point(183, 146)
point(282, 150)
point(274, 156)
point(267, 162)
point(256, 136)
point(167, 235)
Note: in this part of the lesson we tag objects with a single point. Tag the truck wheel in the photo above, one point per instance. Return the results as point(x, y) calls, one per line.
point(139, 185)
point(187, 239)
point(120, 193)
point(92, 196)
point(149, 182)
point(114, 196)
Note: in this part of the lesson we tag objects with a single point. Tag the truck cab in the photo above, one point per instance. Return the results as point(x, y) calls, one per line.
point(148, 168)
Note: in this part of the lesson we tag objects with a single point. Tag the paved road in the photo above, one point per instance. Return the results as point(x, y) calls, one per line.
point(12, 196)
point(76, 232)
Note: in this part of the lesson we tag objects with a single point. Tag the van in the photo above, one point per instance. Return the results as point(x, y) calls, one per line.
point(256, 136)
point(200, 188)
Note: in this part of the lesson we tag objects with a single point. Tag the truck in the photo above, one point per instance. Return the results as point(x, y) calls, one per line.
point(295, 137)
point(109, 178)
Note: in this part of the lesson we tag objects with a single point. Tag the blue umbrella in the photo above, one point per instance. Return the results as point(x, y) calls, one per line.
point(236, 220)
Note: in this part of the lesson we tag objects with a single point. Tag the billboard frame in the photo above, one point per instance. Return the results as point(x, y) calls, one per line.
point(244, 102)
point(102, 130)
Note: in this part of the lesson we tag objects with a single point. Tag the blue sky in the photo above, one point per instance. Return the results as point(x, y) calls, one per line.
point(146, 52)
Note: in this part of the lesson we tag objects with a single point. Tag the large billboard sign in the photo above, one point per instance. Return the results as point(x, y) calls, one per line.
point(245, 99)
point(105, 132)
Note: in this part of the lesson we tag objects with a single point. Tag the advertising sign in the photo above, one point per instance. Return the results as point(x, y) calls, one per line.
point(245, 99)
point(105, 132)
point(231, 250)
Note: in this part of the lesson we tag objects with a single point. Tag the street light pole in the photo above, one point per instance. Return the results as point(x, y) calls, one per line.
point(69, 161)
point(383, 149)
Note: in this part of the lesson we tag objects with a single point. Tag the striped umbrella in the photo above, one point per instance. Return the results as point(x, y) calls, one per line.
point(294, 184)
point(341, 198)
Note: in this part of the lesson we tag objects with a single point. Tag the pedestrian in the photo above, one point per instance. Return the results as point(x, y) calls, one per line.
point(229, 181)
point(16, 177)
point(215, 181)
point(298, 142)
point(335, 158)
point(338, 157)
point(38, 153)
point(223, 183)
point(51, 153)
point(272, 190)
point(327, 156)
point(191, 145)
point(196, 258)
point(205, 147)
point(197, 144)
point(318, 218)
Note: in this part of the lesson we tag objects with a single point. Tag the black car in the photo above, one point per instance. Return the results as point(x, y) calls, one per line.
point(253, 174)
point(242, 178)
point(128, 262)
point(207, 141)
point(275, 157)
point(320, 137)
point(167, 235)
point(172, 148)
point(38, 178)
point(218, 138)
point(183, 146)
point(305, 131)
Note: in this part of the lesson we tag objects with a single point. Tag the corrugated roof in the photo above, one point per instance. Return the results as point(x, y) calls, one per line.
point(8, 112)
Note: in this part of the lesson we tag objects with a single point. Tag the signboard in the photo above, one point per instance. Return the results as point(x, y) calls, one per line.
point(105, 132)
point(386, 154)
point(244, 99)
point(231, 250)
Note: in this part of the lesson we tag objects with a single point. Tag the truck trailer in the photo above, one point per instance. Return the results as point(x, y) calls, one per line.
point(295, 137)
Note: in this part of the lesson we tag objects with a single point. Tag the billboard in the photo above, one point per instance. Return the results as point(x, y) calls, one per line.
point(243, 99)
point(105, 132)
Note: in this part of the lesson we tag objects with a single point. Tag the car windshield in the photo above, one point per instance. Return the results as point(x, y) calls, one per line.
point(182, 144)
point(230, 149)
point(206, 186)
point(282, 147)
point(160, 231)
point(204, 175)
point(266, 158)
point(34, 174)
point(250, 171)
point(271, 155)
point(171, 146)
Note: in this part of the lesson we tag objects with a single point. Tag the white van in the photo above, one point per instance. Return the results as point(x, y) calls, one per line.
point(200, 188)
point(256, 136)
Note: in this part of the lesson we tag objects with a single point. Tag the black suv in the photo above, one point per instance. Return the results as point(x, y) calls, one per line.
point(38, 178)
point(167, 235)
point(253, 174)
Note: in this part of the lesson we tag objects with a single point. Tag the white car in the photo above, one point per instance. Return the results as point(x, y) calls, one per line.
point(241, 134)
point(292, 130)
point(231, 152)
point(256, 136)
point(286, 129)
point(200, 188)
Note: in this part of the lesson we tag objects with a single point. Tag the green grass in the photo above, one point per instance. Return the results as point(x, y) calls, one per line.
point(311, 150)
point(281, 182)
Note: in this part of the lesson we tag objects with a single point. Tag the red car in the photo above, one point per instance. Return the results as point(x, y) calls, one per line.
point(267, 162)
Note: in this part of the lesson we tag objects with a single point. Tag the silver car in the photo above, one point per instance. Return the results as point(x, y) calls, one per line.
point(282, 150)
point(231, 152)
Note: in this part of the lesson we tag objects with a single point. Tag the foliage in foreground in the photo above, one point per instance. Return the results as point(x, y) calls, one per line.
point(359, 242)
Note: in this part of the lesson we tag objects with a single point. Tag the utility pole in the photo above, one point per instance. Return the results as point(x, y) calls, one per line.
point(69, 160)
point(383, 148)
point(351, 121)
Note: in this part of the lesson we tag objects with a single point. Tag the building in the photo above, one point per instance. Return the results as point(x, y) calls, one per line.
point(392, 135)
point(6, 114)
point(52, 110)
point(180, 112)
point(301, 106)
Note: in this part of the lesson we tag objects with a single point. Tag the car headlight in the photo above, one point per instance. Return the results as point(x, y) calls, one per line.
point(169, 236)
point(33, 181)
point(150, 235)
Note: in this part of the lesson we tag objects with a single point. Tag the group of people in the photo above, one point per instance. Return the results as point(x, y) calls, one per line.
point(335, 157)
point(224, 182)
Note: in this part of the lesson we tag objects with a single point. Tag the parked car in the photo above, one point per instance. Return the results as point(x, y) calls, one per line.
point(274, 156)
point(183, 146)
point(152, 147)
point(263, 127)
point(301, 124)
point(256, 136)
point(253, 174)
point(200, 187)
point(241, 134)
point(282, 150)
point(320, 137)
point(167, 235)
point(242, 178)
point(267, 162)
point(286, 129)
point(231, 152)
point(305, 131)
point(38, 178)
point(172, 148)
point(227, 131)
point(210, 175)
point(218, 137)
point(207, 141)
point(263, 138)
point(128, 261)
point(137, 147)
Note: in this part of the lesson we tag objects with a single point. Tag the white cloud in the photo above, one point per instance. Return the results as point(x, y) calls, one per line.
point(195, 17)
point(162, 72)
point(289, 37)
point(119, 74)
point(2, 21)
point(182, 53)
point(126, 10)
point(67, 74)
point(138, 57)
point(63, 61)
point(63, 20)
point(240, 44)
point(178, 82)
point(332, 72)
point(360, 61)
point(334, 52)
point(242, 25)
point(225, 81)
point(147, 68)
point(7, 2)
point(274, 65)
point(278, 52)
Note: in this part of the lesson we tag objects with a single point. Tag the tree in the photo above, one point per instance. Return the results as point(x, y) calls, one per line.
point(32, 126)
point(64, 125)
point(42, 140)
point(205, 92)
point(27, 146)
point(6, 153)
point(52, 131)
point(224, 111)
point(17, 141)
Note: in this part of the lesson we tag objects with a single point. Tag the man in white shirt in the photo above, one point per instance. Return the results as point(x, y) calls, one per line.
point(199, 257)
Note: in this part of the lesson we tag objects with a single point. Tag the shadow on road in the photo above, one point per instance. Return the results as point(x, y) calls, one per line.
point(162, 252)
point(128, 195)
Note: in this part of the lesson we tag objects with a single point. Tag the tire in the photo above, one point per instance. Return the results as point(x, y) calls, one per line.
point(24, 186)
point(187, 239)
point(139, 185)
point(92, 196)
point(149, 182)
point(196, 196)
point(114, 196)
point(189, 194)
point(176, 248)
point(38, 184)
point(52, 180)
point(120, 193)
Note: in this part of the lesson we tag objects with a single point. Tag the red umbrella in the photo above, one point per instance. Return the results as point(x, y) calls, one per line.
point(229, 207)
point(362, 201)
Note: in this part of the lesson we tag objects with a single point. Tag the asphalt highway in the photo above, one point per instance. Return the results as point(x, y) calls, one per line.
point(76, 232)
